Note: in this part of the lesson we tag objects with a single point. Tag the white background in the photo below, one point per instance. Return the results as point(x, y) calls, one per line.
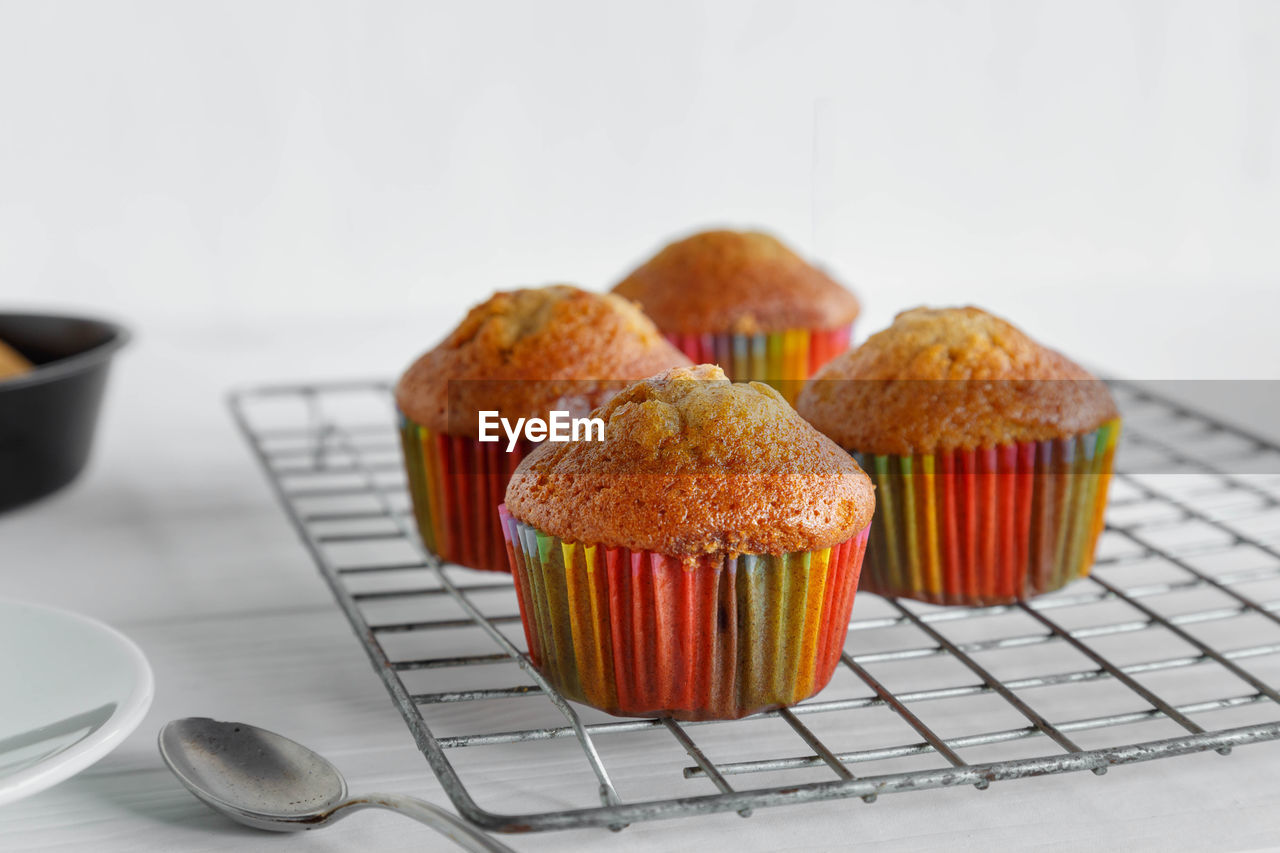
point(1105, 174)
point(276, 191)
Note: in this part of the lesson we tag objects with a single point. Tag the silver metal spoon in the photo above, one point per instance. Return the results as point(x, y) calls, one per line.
point(266, 781)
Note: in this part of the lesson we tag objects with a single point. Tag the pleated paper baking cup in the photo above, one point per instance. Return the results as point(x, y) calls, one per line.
point(781, 359)
point(988, 526)
point(456, 484)
point(636, 633)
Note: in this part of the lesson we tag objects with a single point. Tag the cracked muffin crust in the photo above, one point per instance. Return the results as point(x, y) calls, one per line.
point(526, 352)
point(744, 282)
point(951, 378)
point(692, 464)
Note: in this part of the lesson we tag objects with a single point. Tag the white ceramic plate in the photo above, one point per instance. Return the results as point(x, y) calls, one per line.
point(71, 689)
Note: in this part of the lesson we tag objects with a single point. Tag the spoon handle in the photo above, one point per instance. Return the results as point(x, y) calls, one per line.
point(462, 833)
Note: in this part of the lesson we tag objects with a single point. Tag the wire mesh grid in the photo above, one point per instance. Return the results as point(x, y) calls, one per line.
point(1170, 647)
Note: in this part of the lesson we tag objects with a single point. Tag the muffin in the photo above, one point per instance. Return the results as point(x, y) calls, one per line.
point(521, 354)
point(12, 362)
point(699, 562)
point(991, 455)
point(743, 300)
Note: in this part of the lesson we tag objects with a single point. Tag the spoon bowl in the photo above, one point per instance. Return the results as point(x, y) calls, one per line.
point(254, 776)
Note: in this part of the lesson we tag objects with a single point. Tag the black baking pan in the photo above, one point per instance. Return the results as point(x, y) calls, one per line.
point(47, 416)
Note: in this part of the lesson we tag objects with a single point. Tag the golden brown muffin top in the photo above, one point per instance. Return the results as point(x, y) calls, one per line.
point(736, 281)
point(12, 362)
point(693, 464)
point(525, 352)
point(949, 378)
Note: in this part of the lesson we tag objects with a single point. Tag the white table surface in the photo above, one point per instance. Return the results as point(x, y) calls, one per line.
point(173, 537)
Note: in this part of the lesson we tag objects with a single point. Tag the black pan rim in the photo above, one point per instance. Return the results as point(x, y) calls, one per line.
point(72, 364)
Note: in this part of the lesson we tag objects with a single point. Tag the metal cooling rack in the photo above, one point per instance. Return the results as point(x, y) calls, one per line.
point(1171, 647)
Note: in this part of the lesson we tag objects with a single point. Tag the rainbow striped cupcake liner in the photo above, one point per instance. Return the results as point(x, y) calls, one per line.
point(456, 484)
point(988, 526)
point(636, 633)
point(781, 359)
